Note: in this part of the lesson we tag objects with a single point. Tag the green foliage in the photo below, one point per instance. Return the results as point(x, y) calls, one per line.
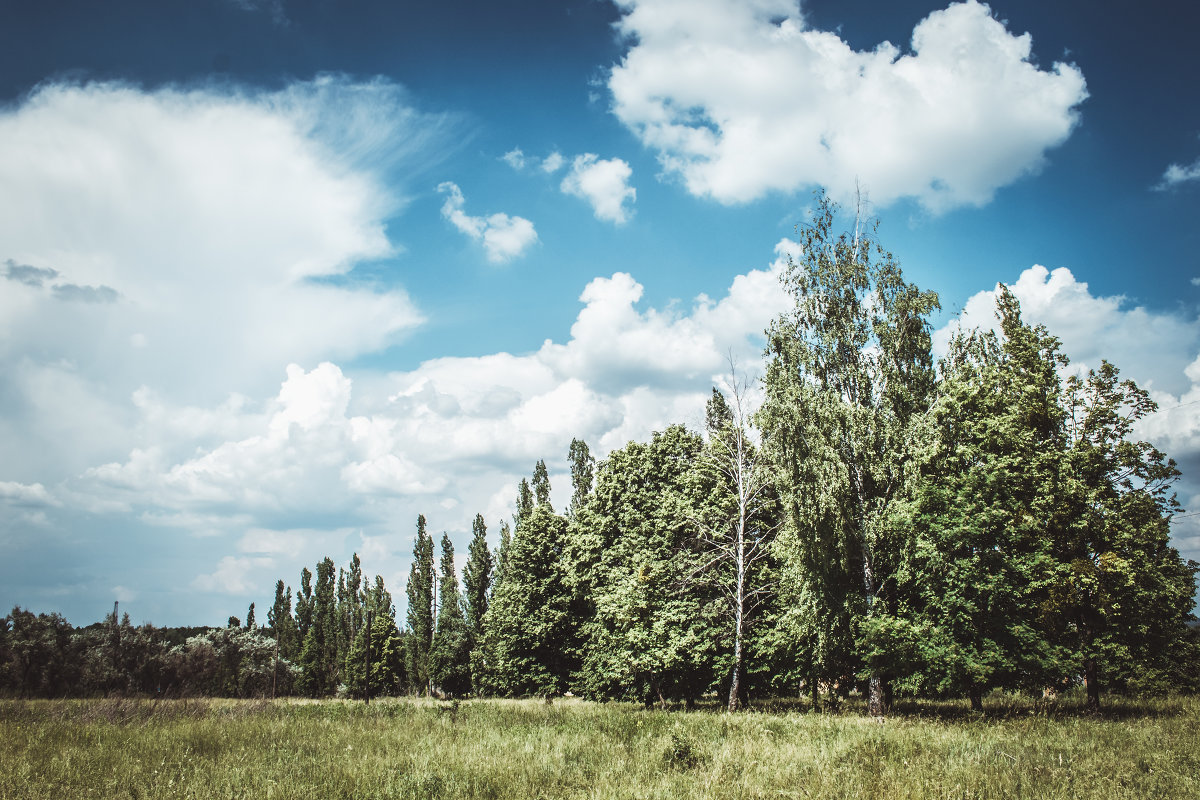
point(319, 660)
point(849, 367)
point(541, 484)
point(420, 609)
point(477, 577)
point(651, 634)
point(527, 641)
point(583, 470)
point(450, 654)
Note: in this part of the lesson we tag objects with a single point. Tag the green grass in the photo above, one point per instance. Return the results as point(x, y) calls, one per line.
point(528, 749)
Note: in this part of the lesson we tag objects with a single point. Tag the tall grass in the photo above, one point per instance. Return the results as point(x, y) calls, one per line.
point(530, 749)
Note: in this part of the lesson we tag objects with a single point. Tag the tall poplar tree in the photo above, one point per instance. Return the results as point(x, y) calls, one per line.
point(528, 646)
point(583, 471)
point(420, 608)
point(318, 655)
point(450, 653)
point(477, 577)
point(541, 485)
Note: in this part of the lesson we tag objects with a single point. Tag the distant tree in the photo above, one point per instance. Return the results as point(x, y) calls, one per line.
point(233, 622)
point(282, 623)
point(541, 484)
point(304, 605)
point(250, 618)
point(450, 654)
point(525, 502)
point(420, 609)
point(583, 470)
point(502, 554)
point(477, 577)
point(318, 655)
point(43, 660)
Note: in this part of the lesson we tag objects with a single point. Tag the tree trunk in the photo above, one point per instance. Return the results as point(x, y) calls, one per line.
point(976, 699)
point(875, 705)
point(735, 685)
point(1091, 680)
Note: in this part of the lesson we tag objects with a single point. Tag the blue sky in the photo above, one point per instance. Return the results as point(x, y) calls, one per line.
point(275, 277)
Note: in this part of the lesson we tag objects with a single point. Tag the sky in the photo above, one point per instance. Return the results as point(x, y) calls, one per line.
point(277, 276)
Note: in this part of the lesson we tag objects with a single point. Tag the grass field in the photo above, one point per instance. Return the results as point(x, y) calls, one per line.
point(528, 749)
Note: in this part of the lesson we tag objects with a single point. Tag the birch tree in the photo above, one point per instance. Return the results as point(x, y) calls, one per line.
point(848, 367)
point(736, 540)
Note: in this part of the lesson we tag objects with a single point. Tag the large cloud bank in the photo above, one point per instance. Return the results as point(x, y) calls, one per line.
point(743, 98)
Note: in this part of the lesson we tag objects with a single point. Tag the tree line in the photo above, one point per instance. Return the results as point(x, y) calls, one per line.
point(884, 522)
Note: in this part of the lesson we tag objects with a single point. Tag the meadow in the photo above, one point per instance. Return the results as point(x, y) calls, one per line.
point(405, 748)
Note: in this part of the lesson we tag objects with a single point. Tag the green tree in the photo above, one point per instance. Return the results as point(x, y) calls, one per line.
point(450, 654)
point(304, 605)
point(420, 609)
point(525, 502)
point(527, 648)
point(583, 470)
point(477, 577)
point(987, 461)
point(250, 621)
point(541, 484)
point(651, 632)
point(318, 655)
point(848, 368)
point(1122, 596)
point(282, 623)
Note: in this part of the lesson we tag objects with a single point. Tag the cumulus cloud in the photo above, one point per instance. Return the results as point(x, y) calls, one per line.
point(196, 241)
point(744, 98)
point(453, 431)
point(553, 162)
point(514, 158)
point(604, 183)
point(1152, 347)
point(28, 495)
point(503, 237)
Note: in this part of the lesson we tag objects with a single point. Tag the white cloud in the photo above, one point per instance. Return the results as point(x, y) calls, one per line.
point(193, 242)
point(553, 162)
point(27, 495)
point(503, 237)
point(236, 575)
point(743, 98)
point(514, 158)
point(1177, 174)
point(454, 433)
point(1152, 347)
point(604, 183)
